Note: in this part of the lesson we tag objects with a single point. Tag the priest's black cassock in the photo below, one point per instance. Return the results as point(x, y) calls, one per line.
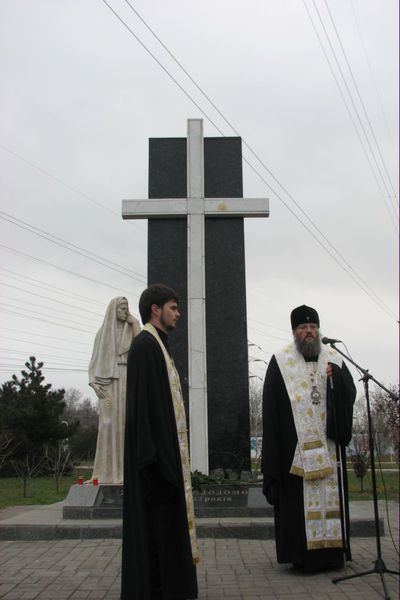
point(157, 559)
point(284, 490)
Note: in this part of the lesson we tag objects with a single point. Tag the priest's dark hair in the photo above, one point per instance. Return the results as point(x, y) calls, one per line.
point(159, 294)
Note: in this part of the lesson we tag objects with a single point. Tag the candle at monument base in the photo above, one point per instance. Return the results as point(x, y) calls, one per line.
point(95, 481)
point(80, 480)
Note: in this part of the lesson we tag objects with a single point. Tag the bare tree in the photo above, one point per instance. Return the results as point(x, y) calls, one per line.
point(57, 460)
point(8, 445)
point(386, 418)
point(360, 428)
point(255, 402)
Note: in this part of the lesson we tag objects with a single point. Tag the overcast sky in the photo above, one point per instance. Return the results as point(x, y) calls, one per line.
point(80, 96)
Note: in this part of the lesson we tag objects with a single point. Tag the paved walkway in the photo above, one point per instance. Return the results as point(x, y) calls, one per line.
point(230, 569)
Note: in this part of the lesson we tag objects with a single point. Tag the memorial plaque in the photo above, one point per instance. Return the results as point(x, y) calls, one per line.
point(230, 501)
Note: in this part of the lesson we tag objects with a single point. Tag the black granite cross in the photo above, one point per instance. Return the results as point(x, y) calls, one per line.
point(198, 179)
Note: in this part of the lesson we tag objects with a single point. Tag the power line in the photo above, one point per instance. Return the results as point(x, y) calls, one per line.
point(22, 315)
point(68, 246)
point(268, 325)
point(50, 337)
point(40, 260)
point(8, 368)
point(48, 308)
point(13, 339)
point(50, 299)
point(387, 204)
point(364, 286)
point(395, 154)
point(67, 185)
point(346, 267)
point(68, 361)
point(364, 108)
point(34, 312)
point(48, 287)
point(56, 300)
point(268, 335)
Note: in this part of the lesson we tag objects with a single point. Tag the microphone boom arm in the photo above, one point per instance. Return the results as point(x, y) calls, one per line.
point(365, 372)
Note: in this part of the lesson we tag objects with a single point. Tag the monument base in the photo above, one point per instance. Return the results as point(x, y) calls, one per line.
point(211, 500)
point(90, 501)
point(231, 500)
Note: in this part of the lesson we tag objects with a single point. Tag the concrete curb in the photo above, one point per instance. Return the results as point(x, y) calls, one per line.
point(217, 528)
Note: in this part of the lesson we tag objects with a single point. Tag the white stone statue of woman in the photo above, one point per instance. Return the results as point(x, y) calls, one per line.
point(107, 376)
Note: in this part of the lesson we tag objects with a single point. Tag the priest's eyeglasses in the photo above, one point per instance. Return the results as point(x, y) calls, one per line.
point(312, 326)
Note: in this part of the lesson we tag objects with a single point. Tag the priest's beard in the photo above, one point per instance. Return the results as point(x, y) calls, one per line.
point(308, 348)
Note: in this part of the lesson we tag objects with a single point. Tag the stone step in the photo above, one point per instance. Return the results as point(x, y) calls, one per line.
point(263, 528)
point(228, 527)
point(102, 512)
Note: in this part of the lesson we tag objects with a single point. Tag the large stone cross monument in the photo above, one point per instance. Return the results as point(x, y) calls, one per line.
point(196, 245)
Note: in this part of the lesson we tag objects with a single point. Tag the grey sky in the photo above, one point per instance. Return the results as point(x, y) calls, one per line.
point(80, 98)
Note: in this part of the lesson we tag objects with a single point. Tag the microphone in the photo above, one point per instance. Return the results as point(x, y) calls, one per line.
point(326, 340)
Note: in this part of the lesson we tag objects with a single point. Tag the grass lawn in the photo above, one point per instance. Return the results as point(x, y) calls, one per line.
point(391, 480)
point(42, 490)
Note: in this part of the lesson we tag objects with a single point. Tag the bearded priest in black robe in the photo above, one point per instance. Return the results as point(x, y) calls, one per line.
point(307, 411)
point(159, 547)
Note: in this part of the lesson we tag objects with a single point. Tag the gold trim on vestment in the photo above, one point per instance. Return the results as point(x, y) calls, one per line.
point(296, 471)
point(332, 514)
point(311, 475)
point(311, 445)
point(314, 459)
point(180, 418)
point(320, 474)
point(314, 514)
point(324, 544)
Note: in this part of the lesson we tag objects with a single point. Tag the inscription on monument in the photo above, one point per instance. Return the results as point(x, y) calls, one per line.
point(221, 495)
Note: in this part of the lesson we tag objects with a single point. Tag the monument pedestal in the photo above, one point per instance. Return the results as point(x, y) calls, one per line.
point(235, 500)
point(90, 501)
point(104, 501)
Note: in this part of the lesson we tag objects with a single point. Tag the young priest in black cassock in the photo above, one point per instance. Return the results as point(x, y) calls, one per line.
point(159, 548)
point(299, 454)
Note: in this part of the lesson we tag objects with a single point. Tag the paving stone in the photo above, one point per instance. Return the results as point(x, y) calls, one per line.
point(233, 569)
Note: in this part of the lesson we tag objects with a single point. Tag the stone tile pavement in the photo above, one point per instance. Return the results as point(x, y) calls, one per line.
point(230, 569)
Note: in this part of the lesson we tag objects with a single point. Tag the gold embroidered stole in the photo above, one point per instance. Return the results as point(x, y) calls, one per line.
point(180, 418)
point(315, 455)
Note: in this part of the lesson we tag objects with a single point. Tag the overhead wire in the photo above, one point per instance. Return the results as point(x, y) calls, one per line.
point(56, 300)
point(378, 95)
point(67, 361)
point(234, 129)
point(71, 247)
point(364, 286)
point(349, 270)
point(46, 262)
point(388, 204)
point(42, 335)
point(267, 325)
point(50, 308)
point(46, 286)
point(115, 213)
point(28, 316)
point(367, 117)
point(66, 185)
point(41, 314)
point(35, 343)
point(8, 368)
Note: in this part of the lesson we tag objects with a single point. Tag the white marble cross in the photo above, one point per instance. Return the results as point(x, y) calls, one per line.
point(195, 207)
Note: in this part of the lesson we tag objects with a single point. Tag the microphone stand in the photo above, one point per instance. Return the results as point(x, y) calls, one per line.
point(379, 566)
